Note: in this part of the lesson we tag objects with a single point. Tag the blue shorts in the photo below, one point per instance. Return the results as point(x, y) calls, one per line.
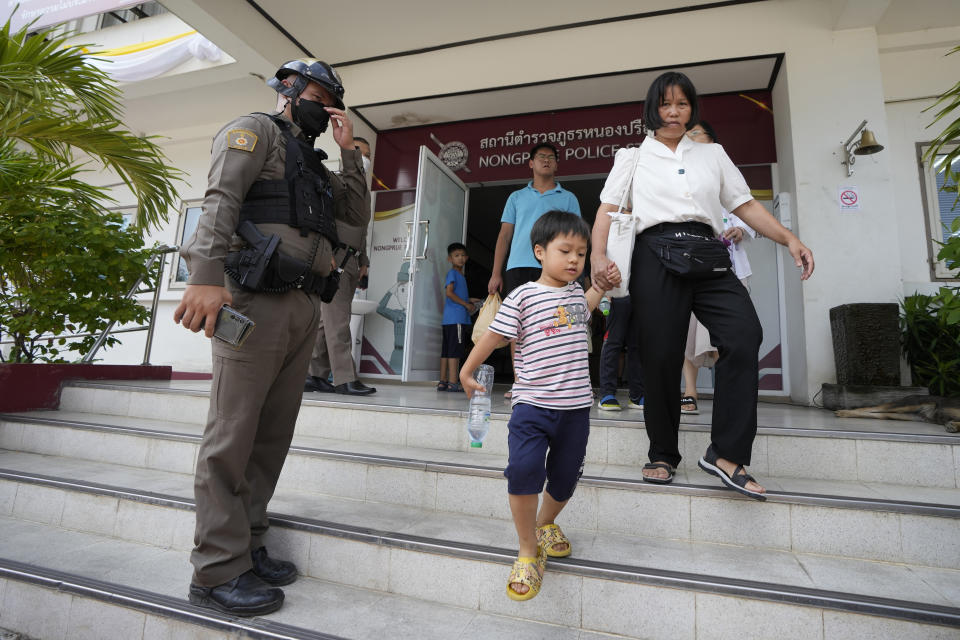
point(454, 343)
point(534, 430)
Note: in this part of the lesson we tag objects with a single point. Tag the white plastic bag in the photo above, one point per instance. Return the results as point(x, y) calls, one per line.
point(623, 236)
point(620, 241)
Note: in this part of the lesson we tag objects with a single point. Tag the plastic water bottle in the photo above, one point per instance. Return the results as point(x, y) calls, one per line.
point(478, 418)
point(604, 305)
point(723, 238)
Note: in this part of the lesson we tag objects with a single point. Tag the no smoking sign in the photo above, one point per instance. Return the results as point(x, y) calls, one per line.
point(849, 199)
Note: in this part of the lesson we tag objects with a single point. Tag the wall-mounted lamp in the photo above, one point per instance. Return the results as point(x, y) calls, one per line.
point(866, 145)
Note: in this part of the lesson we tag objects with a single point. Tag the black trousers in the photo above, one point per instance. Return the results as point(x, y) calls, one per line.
point(662, 303)
point(618, 325)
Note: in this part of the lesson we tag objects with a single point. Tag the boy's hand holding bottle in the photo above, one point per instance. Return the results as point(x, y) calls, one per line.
point(470, 385)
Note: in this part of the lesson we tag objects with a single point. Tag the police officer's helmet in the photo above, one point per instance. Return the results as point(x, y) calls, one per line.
point(308, 69)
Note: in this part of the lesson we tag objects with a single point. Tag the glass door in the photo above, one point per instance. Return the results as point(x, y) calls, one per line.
point(439, 218)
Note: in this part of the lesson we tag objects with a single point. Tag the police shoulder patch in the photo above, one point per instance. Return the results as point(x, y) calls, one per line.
point(242, 139)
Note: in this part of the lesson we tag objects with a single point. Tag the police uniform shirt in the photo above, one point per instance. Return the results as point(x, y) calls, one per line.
point(253, 148)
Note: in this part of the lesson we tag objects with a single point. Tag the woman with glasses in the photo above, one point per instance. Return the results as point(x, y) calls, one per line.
point(679, 189)
point(699, 351)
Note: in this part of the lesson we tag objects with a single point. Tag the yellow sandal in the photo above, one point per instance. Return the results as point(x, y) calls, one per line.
point(551, 535)
point(528, 571)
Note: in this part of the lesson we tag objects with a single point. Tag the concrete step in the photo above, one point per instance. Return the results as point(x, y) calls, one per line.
point(97, 587)
point(688, 589)
point(873, 521)
point(854, 519)
point(792, 441)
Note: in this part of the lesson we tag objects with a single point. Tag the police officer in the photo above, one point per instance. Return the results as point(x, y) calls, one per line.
point(266, 183)
point(333, 351)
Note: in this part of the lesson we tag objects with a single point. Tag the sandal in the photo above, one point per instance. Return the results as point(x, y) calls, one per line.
point(442, 386)
point(659, 465)
point(737, 482)
point(551, 535)
point(528, 571)
point(454, 387)
point(685, 400)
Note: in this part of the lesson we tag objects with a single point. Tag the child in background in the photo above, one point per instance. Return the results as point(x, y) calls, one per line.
point(457, 309)
point(552, 396)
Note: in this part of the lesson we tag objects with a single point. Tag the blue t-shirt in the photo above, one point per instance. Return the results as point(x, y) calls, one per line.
point(454, 312)
point(524, 207)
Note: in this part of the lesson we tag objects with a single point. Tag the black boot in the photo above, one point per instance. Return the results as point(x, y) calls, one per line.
point(245, 595)
point(355, 388)
point(275, 572)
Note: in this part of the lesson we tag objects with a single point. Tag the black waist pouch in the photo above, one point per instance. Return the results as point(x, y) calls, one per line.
point(691, 256)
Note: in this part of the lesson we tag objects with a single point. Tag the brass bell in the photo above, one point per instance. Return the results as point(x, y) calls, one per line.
point(868, 144)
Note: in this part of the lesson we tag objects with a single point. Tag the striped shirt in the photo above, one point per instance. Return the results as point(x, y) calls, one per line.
point(550, 328)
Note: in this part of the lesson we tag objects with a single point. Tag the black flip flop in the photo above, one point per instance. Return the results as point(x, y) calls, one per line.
point(738, 482)
point(659, 465)
point(689, 400)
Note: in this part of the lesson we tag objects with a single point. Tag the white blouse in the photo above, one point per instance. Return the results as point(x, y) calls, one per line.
point(694, 184)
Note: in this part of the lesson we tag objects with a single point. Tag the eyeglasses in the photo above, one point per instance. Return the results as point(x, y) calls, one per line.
point(549, 157)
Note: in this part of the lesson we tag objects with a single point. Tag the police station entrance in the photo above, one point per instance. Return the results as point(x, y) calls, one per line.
point(473, 166)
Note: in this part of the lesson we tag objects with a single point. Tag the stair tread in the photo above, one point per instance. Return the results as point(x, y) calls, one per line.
point(688, 474)
point(770, 415)
point(863, 577)
point(310, 603)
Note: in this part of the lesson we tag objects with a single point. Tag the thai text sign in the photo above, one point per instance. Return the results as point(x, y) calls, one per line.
point(587, 140)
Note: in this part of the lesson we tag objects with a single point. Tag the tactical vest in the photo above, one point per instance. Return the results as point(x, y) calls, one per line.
point(303, 199)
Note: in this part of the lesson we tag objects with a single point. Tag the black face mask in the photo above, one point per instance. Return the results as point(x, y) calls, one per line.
point(311, 116)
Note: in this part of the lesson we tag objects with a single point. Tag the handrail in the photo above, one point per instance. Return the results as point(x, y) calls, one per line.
point(159, 255)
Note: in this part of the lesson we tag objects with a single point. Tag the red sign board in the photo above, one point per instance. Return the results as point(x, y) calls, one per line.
point(496, 149)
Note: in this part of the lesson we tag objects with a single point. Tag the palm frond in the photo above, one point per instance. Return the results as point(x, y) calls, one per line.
point(948, 104)
point(58, 105)
point(47, 69)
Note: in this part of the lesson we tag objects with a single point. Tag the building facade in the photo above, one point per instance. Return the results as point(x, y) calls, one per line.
point(788, 81)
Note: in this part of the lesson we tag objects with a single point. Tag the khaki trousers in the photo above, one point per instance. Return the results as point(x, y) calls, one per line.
point(254, 400)
point(333, 348)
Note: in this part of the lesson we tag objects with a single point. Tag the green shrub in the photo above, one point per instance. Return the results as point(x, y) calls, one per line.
point(66, 261)
point(950, 250)
point(930, 327)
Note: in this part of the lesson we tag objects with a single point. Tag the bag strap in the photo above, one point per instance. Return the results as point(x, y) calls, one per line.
point(633, 171)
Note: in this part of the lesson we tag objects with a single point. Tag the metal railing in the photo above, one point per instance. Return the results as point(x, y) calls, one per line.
point(158, 258)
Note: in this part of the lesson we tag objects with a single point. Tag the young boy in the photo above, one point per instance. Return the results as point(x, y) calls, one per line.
point(552, 397)
point(457, 309)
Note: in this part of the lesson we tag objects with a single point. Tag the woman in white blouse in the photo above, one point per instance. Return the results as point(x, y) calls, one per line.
point(682, 187)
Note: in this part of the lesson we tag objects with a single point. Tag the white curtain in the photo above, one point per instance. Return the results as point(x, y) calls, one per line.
point(153, 61)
